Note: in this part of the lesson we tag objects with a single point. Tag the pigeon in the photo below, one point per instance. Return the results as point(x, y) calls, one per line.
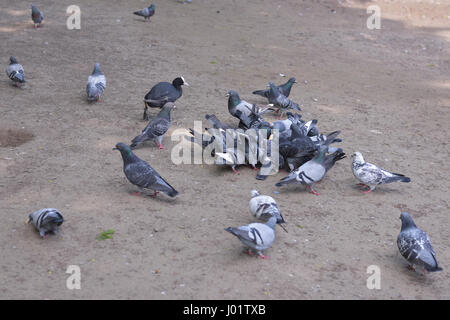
point(240, 109)
point(308, 173)
point(163, 92)
point(46, 220)
point(147, 12)
point(285, 89)
point(370, 175)
point(96, 84)
point(264, 207)
point(280, 101)
point(156, 128)
point(141, 174)
point(37, 16)
point(15, 71)
point(256, 236)
point(414, 245)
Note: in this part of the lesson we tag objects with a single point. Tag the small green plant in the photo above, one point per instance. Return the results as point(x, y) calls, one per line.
point(106, 235)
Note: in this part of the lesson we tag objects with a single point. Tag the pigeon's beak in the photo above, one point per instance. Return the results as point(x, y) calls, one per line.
point(115, 149)
point(227, 95)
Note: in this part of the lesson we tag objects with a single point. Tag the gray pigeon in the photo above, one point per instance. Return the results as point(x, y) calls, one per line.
point(46, 220)
point(280, 101)
point(414, 245)
point(15, 71)
point(146, 12)
point(285, 89)
point(309, 173)
point(37, 16)
point(370, 175)
point(156, 128)
point(256, 236)
point(264, 207)
point(96, 84)
point(141, 174)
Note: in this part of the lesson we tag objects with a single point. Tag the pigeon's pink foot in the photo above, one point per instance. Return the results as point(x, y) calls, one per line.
point(249, 252)
point(235, 171)
point(361, 184)
point(261, 256)
point(255, 168)
point(367, 191)
point(137, 193)
point(161, 147)
point(314, 192)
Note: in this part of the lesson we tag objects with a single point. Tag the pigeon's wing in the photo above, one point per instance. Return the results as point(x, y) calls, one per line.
point(369, 174)
point(141, 174)
point(157, 126)
point(143, 13)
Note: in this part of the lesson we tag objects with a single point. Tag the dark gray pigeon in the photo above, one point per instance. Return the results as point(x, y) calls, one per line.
point(332, 158)
point(156, 128)
point(15, 71)
point(96, 84)
point(240, 109)
point(46, 220)
point(285, 89)
point(308, 173)
point(370, 175)
point(141, 174)
point(256, 236)
point(280, 101)
point(163, 92)
point(415, 246)
point(37, 16)
point(146, 12)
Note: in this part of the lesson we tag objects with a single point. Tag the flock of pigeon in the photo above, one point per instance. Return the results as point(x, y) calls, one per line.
point(303, 151)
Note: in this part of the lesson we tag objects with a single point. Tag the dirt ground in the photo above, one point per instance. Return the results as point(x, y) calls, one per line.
point(387, 90)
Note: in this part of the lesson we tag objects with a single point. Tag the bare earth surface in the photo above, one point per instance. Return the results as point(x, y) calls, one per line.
point(388, 91)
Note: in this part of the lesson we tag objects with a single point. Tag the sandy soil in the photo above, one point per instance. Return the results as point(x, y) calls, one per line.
point(387, 90)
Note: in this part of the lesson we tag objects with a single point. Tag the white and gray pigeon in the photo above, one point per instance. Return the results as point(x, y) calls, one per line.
point(15, 71)
point(240, 109)
point(156, 128)
point(256, 236)
point(46, 220)
point(308, 173)
point(146, 12)
point(370, 175)
point(37, 16)
point(96, 84)
point(415, 246)
point(141, 174)
point(263, 207)
point(280, 101)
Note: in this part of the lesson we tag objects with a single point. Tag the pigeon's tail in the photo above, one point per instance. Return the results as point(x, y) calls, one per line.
point(286, 180)
point(397, 177)
point(262, 93)
point(232, 231)
point(92, 92)
point(172, 193)
point(295, 106)
point(139, 13)
point(331, 138)
point(433, 269)
point(331, 159)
